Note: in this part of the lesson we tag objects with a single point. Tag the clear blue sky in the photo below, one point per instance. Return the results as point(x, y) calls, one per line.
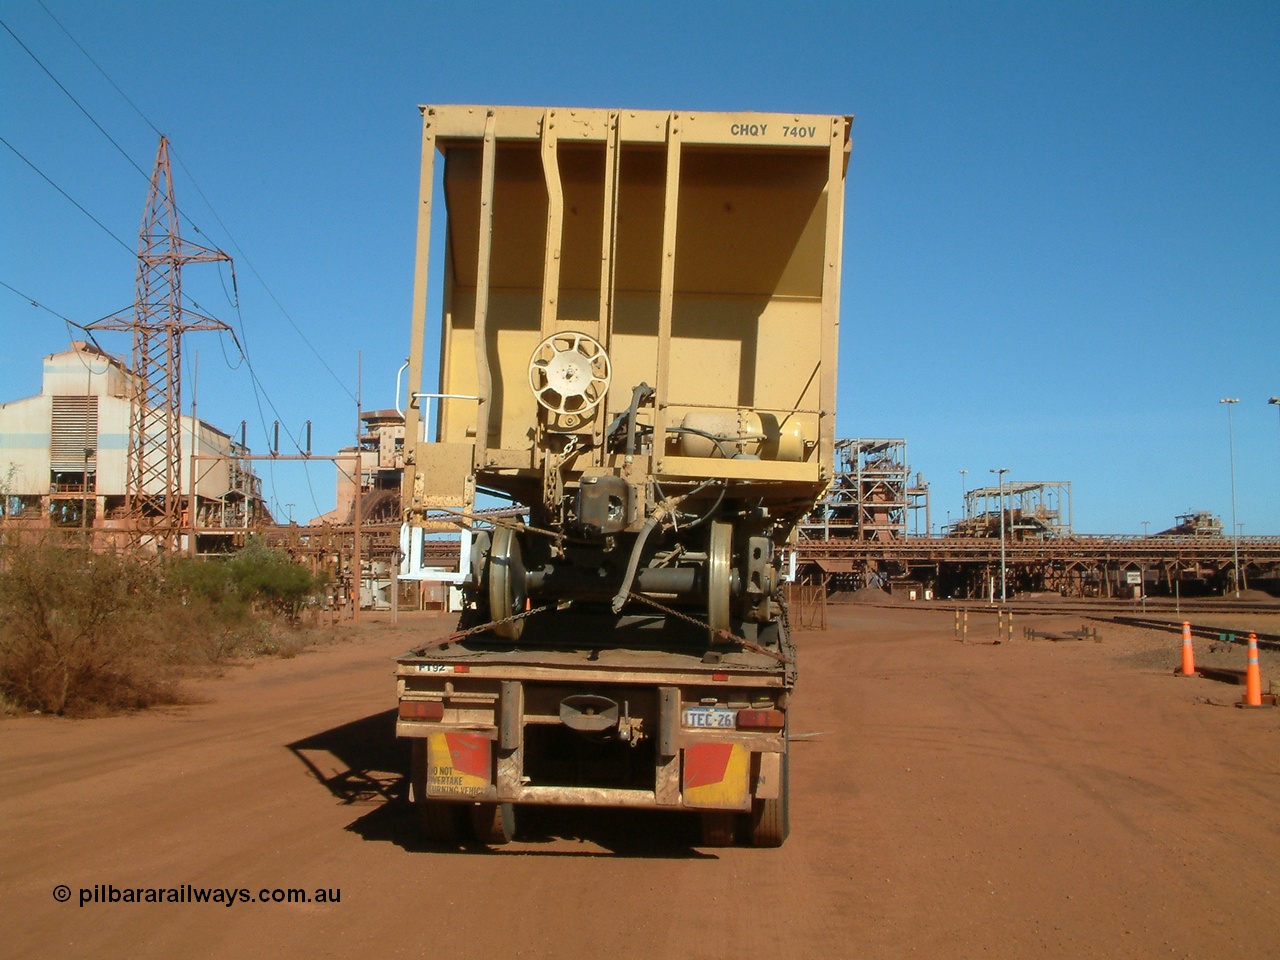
point(1062, 239)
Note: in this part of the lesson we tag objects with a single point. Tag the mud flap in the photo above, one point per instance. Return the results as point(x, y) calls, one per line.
point(717, 776)
point(459, 764)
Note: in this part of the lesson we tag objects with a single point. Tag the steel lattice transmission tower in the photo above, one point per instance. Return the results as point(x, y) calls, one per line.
point(157, 322)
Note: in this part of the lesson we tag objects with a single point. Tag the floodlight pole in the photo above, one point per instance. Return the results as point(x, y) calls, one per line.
point(357, 561)
point(1275, 401)
point(1235, 528)
point(1004, 593)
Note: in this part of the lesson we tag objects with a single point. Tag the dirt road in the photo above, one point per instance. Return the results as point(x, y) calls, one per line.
point(1023, 800)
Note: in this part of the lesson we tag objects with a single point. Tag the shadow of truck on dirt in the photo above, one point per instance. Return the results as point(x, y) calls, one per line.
point(362, 763)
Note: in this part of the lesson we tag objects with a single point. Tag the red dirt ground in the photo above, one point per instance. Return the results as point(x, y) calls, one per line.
point(1023, 800)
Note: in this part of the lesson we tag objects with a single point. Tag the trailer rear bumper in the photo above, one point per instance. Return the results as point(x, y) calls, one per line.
point(704, 771)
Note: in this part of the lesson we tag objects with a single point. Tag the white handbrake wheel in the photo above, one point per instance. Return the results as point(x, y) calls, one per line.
point(569, 374)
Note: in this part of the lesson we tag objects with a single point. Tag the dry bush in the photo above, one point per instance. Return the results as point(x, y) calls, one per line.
point(84, 633)
point(68, 638)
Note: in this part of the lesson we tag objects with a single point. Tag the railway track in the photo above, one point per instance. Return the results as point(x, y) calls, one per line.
point(1198, 609)
point(1100, 610)
point(1267, 641)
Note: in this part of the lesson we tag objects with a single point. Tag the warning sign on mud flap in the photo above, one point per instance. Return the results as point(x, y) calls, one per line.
point(458, 764)
point(716, 776)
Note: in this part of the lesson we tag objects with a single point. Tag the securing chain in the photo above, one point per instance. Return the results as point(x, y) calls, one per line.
point(725, 636)
point(480, 628)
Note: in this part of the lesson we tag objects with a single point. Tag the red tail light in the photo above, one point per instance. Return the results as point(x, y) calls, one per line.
point(761, 719)
point(421, 710)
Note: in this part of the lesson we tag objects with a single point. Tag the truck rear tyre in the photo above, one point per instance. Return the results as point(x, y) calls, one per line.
point(771, 819)
point(718, 829)
point(494, 823)
point(440, 820)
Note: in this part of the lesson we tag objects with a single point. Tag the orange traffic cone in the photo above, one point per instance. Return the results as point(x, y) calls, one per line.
point(1188, 652)
point(1253, 676)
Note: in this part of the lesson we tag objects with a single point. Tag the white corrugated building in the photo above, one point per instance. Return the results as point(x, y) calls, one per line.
point(66, 450)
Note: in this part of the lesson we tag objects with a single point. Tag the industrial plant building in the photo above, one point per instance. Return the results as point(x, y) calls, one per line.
point(64, 457)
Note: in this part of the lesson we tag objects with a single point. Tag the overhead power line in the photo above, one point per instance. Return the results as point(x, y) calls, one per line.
point(133, 253)
point(36, 303)
point(133, 163)
point(124, 96)
point(101, 129)
point(241, 342)
point(78, 206)
point(243, 257)
point(84, 330)
point(270, 293)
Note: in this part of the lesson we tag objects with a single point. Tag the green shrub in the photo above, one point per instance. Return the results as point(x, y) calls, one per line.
point(256, 576)
point(268, 579)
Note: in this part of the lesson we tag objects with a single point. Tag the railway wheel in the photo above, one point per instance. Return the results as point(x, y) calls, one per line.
point(494, 823)
point(507, 593)
point(771, 819)
point(719, 575)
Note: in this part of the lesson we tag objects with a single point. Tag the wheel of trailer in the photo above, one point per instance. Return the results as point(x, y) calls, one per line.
point(507, 593)
point(771, 819)
point(719, 574)
point(494, 823)
point(440, 820)
point(718, 828)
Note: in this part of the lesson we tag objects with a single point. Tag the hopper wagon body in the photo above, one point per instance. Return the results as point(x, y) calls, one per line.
point(637, 357)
